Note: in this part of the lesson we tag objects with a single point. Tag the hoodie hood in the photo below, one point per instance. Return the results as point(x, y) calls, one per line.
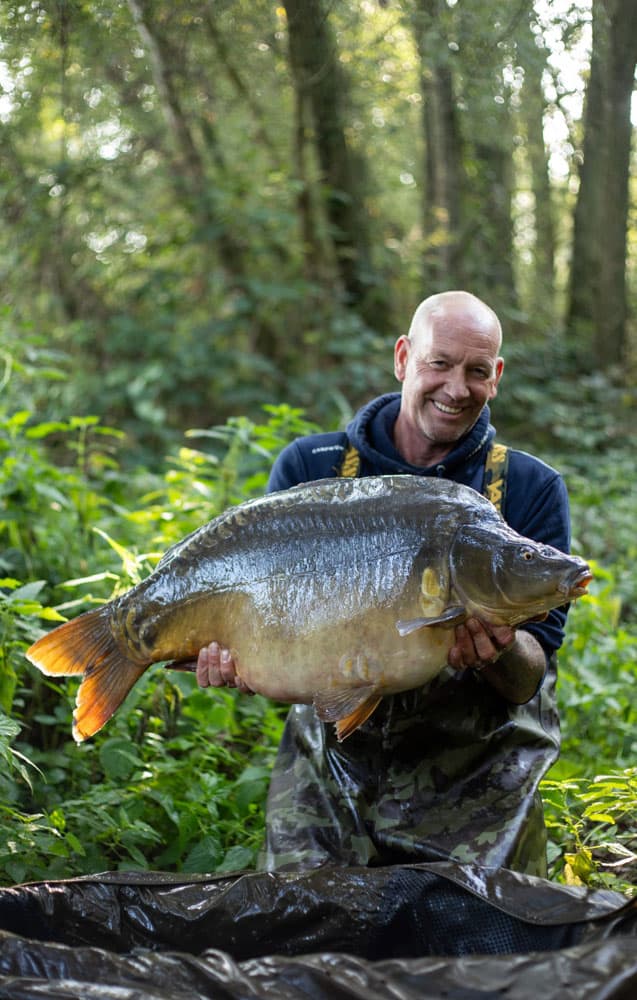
point(371, 432)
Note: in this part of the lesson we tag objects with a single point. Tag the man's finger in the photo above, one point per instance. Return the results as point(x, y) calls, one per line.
point(227, 671)
point(203, 659)
point(483, 643)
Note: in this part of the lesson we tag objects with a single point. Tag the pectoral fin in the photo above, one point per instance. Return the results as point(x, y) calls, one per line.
point(449, 618)
point(348, 707)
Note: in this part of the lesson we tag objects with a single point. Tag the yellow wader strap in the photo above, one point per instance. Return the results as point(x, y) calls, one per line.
point(351, 464)
point(495, 475)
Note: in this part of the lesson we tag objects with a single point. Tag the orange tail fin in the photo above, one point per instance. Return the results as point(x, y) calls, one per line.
point(86, 645)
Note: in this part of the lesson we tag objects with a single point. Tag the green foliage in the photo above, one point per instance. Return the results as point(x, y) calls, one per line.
point(592, 831)
point(178, 781)
point(170, 284)
point(47, 508)
point(598, 674)
point(12, 761)
point(18, 607)
point(166, 249)
point(551, 402)
point(199, 484)
point(178, 778)
point(591, 794)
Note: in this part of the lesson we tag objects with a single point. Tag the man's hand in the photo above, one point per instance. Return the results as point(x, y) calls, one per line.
point(216, 668)
point(478, 644)
point(512, 661)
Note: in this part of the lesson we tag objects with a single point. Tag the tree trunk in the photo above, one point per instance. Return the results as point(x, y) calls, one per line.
point(443, 160)
point(316, 262)
point(321, 82)
point(598, 306)
point(491, 243)
point(486, 42)
point(468, 137)
point(542, 280)
point(190, 169)
point(247, 95)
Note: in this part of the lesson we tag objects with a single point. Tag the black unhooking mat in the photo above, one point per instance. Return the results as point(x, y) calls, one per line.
point(404, 932)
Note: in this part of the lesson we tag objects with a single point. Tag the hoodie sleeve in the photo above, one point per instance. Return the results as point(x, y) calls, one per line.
point(537, 506)
point(288, 469)
point(317, 456)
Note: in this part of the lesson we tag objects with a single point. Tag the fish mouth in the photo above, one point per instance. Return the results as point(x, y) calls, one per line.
point(575, 584)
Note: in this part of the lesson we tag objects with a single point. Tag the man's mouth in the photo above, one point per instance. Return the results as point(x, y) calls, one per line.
point(452, 410)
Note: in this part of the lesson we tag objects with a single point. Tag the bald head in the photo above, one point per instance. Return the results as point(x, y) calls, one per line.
point(457, 309)
point(450, 369)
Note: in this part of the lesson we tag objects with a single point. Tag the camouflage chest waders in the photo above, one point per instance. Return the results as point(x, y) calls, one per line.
point(449, 770)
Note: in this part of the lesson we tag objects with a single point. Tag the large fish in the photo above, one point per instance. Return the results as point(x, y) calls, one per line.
point(335, 592)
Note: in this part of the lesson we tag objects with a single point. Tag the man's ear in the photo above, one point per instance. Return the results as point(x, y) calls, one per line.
point(401, 355)
point(499, 368)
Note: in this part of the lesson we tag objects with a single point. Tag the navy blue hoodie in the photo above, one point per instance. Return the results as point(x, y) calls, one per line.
point(536, 502)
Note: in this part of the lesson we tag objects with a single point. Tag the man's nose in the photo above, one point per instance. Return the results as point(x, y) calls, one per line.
point(456, 384)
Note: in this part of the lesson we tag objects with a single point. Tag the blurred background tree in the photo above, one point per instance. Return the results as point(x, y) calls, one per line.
point(209, 205)
point(598, 295)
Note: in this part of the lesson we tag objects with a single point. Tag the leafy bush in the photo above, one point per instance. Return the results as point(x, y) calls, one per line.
point(592, 828)
point(177, 781)
point(591, 794)
point(179, 777)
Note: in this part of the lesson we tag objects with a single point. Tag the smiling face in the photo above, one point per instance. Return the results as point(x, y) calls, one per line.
point(450, 368)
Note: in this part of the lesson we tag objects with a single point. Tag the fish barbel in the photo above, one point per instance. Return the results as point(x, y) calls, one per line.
point(336, 592)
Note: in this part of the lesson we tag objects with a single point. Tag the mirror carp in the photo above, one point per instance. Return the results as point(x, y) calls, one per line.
point(335, 593)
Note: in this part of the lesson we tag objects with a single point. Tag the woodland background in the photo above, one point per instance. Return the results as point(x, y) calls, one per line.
point(217, 217)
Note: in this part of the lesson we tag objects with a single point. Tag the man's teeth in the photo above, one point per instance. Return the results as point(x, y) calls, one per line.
point(447, 409)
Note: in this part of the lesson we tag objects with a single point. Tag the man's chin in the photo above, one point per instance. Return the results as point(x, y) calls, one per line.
point(447, 432)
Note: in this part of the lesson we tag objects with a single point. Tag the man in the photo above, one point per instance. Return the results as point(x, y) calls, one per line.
point(450, 770)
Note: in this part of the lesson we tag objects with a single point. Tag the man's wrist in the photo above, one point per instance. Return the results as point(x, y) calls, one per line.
point(500, 653)
point(518, 671)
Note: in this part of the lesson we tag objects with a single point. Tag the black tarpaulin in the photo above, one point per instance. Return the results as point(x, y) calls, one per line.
point(410, 931)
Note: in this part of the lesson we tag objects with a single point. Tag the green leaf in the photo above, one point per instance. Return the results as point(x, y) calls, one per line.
point(44, 429)
point(237, 859)
point(9, 729)
point(119, 758)
point(28, 591)
point(50, 615)
point(203, 857)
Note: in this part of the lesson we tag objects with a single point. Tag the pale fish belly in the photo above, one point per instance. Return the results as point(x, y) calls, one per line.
point(294, 669)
